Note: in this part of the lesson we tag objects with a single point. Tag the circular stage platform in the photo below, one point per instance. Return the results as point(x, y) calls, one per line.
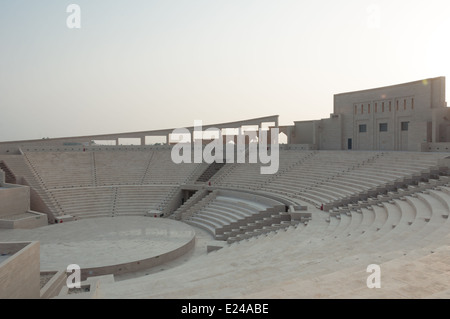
point(108, 244)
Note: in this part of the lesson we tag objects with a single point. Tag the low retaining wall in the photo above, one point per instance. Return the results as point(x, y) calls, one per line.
point(53, 287)
point(137, 265)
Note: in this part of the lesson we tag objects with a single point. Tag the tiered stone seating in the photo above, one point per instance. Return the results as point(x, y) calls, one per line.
point(92, 183)
point(163, 170)
point(317, 177)
point(222, 211)
point(105, 168)
point(375, 172)
point(394, 217)
point(85, 202)
point(138, 200)
point(304, 180)
point(392, 166)
point(62, 169)
point(444, 200)
point(132, 167)
point(258, 268)
point(232, 217)
point(121, 167)
point(248, 175)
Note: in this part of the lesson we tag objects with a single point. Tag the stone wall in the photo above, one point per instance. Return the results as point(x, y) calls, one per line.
point(14, 200)
point(20, 272)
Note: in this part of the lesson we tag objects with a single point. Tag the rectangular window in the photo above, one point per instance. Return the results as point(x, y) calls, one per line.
point(362, 109)
point(362, 128)
point(412, 104)
point(376, 106)
point(397, 106)
point(404, 104)
point(390, 106)
point(368, 108)
point(383, 127)
point(404, 126)
point(382, 107)
point(356, 109)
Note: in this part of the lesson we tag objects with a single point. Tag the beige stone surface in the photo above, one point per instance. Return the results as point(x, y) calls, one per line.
point(19, 272)
point(103, 241)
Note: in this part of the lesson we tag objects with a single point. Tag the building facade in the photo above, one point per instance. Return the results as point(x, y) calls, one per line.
point(402, 117)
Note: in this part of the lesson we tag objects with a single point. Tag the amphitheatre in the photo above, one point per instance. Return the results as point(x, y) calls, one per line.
point(367, 186)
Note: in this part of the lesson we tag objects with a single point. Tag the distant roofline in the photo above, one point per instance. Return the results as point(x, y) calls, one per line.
point(391, 86)
point(253, 121)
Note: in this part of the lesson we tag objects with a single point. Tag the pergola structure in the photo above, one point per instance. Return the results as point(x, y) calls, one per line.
point(88, 139)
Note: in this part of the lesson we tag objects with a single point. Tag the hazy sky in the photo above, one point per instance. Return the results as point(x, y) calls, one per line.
point(142, 65)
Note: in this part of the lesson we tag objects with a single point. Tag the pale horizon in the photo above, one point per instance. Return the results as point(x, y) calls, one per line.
point(149, 65)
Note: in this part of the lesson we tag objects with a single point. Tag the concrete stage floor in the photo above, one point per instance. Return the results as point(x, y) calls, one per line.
point(103, 241)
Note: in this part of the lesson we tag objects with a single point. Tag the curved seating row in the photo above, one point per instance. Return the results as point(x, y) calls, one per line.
point(103, 168)
point(336, 251)
point(401, 221)
point(86, 202)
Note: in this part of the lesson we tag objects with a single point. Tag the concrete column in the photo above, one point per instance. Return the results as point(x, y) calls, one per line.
point(143, 140)
point(315, 133)
point(434, 127)
point(269, 137)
